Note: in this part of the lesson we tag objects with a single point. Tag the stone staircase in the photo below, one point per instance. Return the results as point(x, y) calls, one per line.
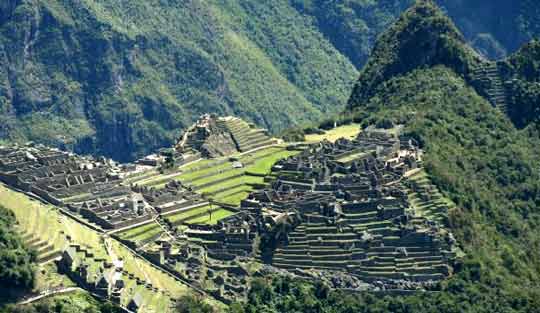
point(487, 77)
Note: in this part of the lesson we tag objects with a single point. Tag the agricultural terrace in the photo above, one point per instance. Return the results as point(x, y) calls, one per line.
point(49, 231)
point(221, 179)
point(426, 199)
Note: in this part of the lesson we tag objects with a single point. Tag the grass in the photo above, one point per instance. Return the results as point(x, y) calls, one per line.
point(133, 232)
point(47, 277)
point(264, 159)
point(46, 223)
point(345, 131)
point(264, 165)
point(422, 207)
point(235, 199)
point(217, 177)
point(233, 196)
point(234, 182)
point(142, 233)
point(206, 219)
point(187, 214)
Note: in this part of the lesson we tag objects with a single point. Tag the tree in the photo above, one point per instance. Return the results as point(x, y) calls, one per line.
point(193, 304)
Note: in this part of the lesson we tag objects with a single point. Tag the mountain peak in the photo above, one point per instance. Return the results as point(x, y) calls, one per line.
point(422, 37)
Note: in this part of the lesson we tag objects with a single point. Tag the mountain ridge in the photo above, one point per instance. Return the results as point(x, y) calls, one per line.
point(480, 157)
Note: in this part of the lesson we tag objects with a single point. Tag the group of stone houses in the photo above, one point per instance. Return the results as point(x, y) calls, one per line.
point(335, 207)
point(92, 188)
point(212, 258)
point(97, 275)
point(54, 175)
point(343, 206)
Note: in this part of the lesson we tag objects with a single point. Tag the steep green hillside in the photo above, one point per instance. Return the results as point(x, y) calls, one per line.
point(16, 260)
point(495, 28)
point(121, 78)
point(523, 70)
point(474, 153)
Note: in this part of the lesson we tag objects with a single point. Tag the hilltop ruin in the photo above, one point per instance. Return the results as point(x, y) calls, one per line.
point(352, 213)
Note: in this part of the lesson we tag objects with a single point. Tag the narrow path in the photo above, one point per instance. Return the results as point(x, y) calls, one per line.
point(49, 293)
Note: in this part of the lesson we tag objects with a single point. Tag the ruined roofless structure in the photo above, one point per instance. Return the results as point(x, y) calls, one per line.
point(348, 210)
point(214, 136)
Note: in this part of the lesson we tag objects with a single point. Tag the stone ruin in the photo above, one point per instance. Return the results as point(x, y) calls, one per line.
point(172, 197)
point(347, 210)
point(214, 136)
point(86, 186)
point(345, 218)
point(93, 274)
point(339, 211)
point(56, 176)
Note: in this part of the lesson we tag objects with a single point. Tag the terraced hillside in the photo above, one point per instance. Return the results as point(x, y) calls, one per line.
point(487, 77)
point(225, 179)
point(358, 206)
point(44, 227)
point(426, 200)
point(246, 136)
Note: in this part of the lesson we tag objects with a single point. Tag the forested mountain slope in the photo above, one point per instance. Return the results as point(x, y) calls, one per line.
point(421, 75)
point(122, 78)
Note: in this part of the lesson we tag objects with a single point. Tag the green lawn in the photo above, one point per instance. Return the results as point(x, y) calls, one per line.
point(143, 235)
point(345, 131)
point(139, 232)
point(217, 177)
point(187, 214)
point(234, 182)
point(264, 159)
point(235, 199)
point(206, 219)
point(264, 165)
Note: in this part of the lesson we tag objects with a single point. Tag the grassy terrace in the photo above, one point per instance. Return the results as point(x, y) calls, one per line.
point(211, 219)
point(345, 131)
point(219, 178)
point(199, 215)
point(143, 233)
point(47, 223)
point(233, 196)
point(263, 160)
point(236, 182)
